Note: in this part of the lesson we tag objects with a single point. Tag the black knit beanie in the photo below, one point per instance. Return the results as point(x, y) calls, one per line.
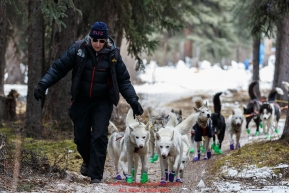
point(99, 31)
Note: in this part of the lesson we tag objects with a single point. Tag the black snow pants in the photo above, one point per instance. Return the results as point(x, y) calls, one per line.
point(91, 120)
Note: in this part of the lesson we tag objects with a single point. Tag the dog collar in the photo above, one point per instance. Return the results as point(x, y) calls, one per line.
point(118, 138)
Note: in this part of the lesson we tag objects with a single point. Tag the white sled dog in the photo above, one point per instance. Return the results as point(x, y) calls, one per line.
point(157, 121)
point(186, 154)
point(135, 146)
point(169, 146)
point(115, 144)
point(234, 126)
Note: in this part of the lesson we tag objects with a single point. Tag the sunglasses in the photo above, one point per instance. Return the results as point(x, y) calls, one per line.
point(97, 40)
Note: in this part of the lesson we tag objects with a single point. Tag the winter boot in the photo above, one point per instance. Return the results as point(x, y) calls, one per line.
point(248, 131)
point(144, 177)
point(172, 176)
point(152, 159)
point(167, 175)
point(118, 176)
point(209, 154)
point(84, 169)
point(179, 180)
point(132, 171)
point(156, 157)
point(163, 182)
point(129, 179)
point(192, 150)
point(232, 146)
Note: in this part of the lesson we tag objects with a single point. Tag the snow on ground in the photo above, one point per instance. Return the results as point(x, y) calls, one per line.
point(172, 83)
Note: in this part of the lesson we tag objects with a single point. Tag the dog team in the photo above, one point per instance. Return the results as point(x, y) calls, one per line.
point(166, 136)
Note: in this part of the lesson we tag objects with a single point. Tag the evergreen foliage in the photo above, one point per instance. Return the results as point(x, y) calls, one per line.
point(265, 15)
point(55, 10)
point(138, 20)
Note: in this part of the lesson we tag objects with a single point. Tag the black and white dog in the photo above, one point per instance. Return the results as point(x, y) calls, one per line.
point(270, 113)
point(253, 108)
point(218, 124)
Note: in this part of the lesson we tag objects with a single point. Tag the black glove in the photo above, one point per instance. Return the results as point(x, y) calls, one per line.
point(39, 92)
point(137, 109)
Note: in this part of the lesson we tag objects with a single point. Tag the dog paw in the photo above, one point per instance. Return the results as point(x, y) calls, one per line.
point(195, 159)
point(248, 131)
point(167, 175)
point(232, 147)
point(209, 154)
point(144, 177)
point(163, 182)
point(156, 157)
point(118, 177)
point(205, 157)
point(152, 159)
point(171, 176)
point(179, 180)
point(129, 179)
point(257, 133)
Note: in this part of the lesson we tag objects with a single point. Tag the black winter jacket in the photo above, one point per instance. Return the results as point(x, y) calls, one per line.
point(75, 59)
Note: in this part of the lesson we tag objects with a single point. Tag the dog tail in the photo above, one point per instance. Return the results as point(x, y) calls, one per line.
point(217, 103)
point(197, 101)
point(173, 121)
point(129, 118)
point(273, 93)
point(286, 85)
point(112, 128)
point(251, 90)
point(185, 126)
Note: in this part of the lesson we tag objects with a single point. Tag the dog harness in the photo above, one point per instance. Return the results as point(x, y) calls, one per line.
point(201, 131)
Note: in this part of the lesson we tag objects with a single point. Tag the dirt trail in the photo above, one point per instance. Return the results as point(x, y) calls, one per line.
point(194, 173)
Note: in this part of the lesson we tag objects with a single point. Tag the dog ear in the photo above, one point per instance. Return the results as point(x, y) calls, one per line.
point(131, 129)
point(269, 106)
point(172, 138)
point(244, 109)
point(233, 112)
point(180, 112)
point(172, 110)
point(147, 127)
point(206, 105)
point(158, 137)
point(197, 110)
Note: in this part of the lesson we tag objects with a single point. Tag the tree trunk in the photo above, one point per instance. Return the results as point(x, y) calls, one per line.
point(256, 50)
point(285, 134)
point(3, 43)
point(282, 57)
point(35, 62)
point(59, 95)
point(188, 46)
